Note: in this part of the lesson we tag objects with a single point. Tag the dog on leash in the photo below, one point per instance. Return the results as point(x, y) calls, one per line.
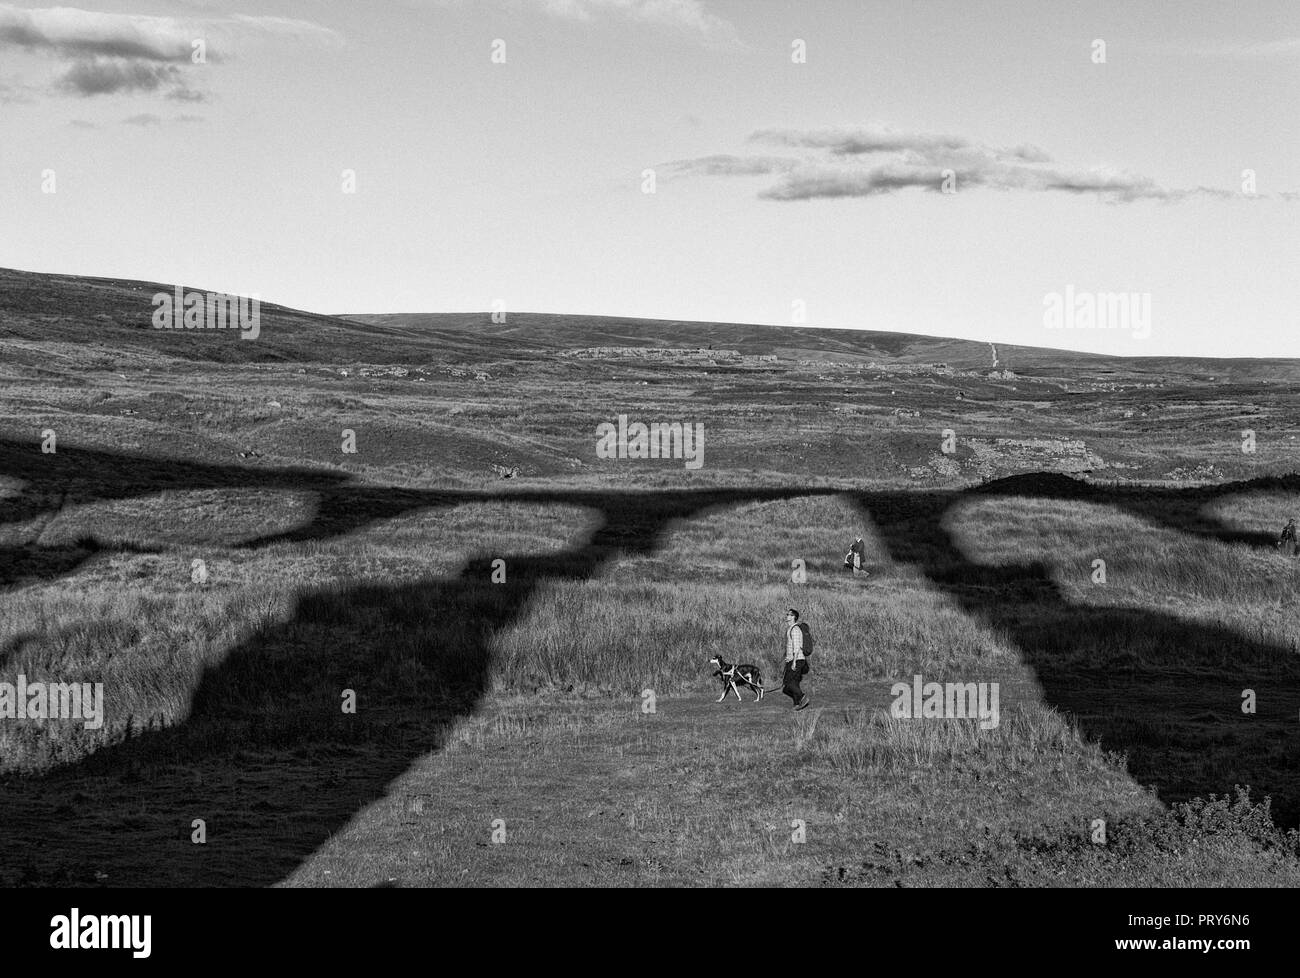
point(734, 675)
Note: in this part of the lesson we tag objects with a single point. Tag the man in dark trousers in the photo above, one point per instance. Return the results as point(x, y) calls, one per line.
point(796, 661)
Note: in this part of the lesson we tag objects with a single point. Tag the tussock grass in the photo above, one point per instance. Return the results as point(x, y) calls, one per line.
point(872, 744)
point(1108, 689)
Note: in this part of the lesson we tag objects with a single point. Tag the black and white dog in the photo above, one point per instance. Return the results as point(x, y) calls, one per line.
point(742, 674)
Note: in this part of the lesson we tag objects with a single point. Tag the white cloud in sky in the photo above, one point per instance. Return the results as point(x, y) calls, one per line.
point(104, 53)
point(691, 18)
point(689, 15)
point(870, 161)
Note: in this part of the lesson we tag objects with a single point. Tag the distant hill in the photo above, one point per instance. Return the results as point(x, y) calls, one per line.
point(536, 331)
point(116, 314)
point(788, 342)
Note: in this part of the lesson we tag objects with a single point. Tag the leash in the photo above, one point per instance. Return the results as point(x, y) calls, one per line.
point(773, 689)
point(780, 685)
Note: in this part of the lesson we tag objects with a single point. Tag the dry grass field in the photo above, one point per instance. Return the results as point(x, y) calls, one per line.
point(558, 726)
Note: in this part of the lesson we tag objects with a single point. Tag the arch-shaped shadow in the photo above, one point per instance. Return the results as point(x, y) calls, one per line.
point(1163, 690)
point(265, 756)
point(75, 475)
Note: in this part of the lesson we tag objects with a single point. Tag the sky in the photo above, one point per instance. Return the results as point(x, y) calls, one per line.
point(945, 168)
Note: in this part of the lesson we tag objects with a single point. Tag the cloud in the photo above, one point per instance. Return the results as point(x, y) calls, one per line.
point(183, 94)
point(724, 165)
point(149, 119)
point(82, 124)
point(868, 140)
point(67, 32)
point(105, 54)
point(689, 17)
point(853, 142)
point(874, 161)
point(244, 26)
point(101, 76)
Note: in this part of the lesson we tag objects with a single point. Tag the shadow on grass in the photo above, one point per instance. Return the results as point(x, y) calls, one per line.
point(266, 757)
point(270, 763)
point(1165, 691)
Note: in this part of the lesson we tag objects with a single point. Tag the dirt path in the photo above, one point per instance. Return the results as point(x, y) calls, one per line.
point(597, 793)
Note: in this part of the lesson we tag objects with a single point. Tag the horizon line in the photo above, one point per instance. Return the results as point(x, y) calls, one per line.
point(349, 317)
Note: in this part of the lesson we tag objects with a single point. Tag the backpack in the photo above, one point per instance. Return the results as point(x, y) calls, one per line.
point(807, 639)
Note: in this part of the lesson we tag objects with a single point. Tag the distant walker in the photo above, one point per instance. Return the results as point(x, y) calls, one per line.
point(1287, 542)
point(853, 559)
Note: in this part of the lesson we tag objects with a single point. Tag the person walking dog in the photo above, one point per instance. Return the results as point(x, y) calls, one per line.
point(796, 659)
